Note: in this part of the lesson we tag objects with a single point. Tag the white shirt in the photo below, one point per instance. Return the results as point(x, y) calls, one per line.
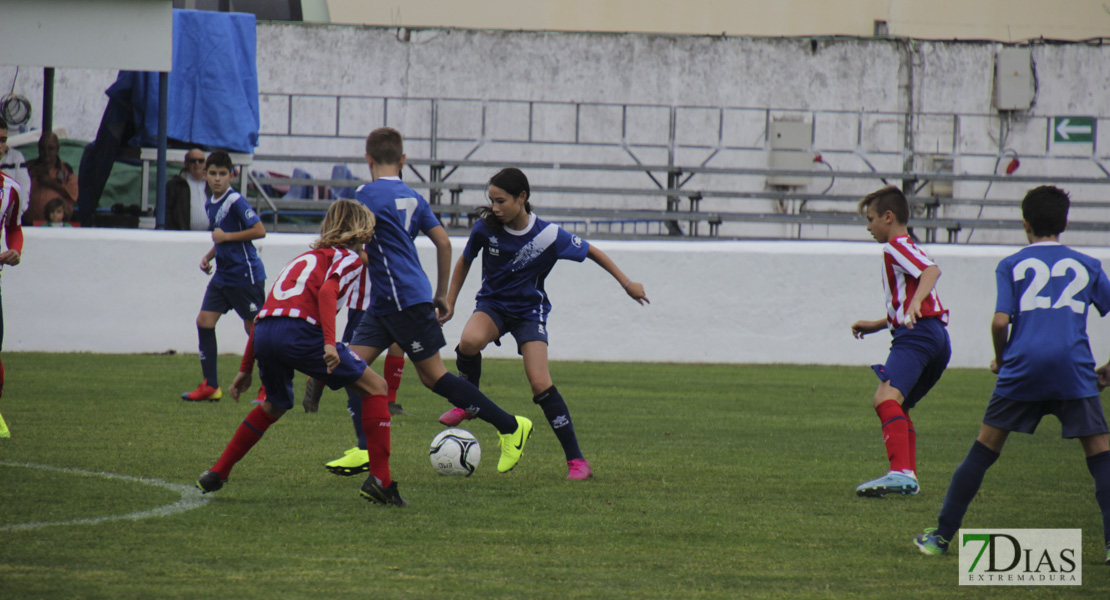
point(198, 218)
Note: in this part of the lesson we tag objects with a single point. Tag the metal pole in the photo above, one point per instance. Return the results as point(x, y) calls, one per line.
point(48, 99)
point(163, 118)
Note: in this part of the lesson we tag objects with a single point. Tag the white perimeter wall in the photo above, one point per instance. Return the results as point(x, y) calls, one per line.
point(109, 291)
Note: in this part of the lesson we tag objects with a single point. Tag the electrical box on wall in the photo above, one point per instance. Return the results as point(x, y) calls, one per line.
point(1013, 79)
point(939, 164)
point(791, 144)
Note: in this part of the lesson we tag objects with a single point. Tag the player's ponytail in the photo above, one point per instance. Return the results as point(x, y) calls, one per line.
point(513, 181)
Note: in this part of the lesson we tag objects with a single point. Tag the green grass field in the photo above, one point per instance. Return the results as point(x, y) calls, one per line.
point(712, 481)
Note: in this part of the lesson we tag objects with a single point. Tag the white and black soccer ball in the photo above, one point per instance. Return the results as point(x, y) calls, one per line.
point(455, 452)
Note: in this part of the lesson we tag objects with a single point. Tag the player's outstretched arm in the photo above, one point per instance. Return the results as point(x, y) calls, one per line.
point(206, 261)
point(458, 276)
point(439, 238)
point(256, 232)
point(1000, 333)
point(862, 328)
point(634, 289)
point(241, 384)
point(925, 285)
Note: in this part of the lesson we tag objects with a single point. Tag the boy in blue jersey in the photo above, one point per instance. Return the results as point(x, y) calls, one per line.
point(1042, 358)
point(402, 307)
point(518, 250)
point(239, 281)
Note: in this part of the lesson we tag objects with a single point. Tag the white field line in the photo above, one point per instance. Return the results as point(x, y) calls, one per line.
point(190, 498)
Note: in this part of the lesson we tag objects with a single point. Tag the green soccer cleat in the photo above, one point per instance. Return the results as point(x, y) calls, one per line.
point(353, 462)
point(931, 543)
point(512, 444)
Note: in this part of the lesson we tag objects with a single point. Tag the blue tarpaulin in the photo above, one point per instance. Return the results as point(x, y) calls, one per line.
point(213, 99)
point(213, 96)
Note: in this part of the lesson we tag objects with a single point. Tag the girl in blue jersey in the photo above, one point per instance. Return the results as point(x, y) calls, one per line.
point(518, 250)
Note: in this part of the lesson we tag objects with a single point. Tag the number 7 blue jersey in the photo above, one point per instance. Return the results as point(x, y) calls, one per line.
point(397, 281)
point(1046, 288)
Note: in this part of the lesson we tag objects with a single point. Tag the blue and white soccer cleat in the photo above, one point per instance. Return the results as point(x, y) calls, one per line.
point(930, 543)
point(891, 483)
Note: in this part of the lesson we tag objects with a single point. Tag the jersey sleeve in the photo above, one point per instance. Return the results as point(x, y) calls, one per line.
point(245, 213)
point(1100, 290)
point(424, 218)
point(570, 246)
point(1005, 302)
point(908, 257)
point(477, 241)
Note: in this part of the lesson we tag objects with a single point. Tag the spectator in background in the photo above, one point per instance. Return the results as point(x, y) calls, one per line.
point(51, 178)
point(185, 195)
point(55, 214)
point(13, 163)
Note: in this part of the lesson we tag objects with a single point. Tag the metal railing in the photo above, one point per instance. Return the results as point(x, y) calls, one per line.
point(677, 149)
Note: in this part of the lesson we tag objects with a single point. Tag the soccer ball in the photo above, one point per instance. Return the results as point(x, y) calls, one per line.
point(455, 452)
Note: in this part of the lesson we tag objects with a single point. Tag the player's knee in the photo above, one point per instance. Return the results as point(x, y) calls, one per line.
point(469, 346)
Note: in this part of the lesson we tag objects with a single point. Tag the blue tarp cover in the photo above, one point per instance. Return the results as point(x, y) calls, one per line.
point(213, 93)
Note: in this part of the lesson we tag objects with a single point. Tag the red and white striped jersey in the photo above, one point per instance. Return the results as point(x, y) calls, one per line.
point(12, 205)
point(296, 291)
point(903, 263)
point(358, 294)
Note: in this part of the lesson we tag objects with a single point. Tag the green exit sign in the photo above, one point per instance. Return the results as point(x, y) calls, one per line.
point(1073, 130)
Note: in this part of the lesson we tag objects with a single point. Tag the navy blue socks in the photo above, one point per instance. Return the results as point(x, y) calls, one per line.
point(208, 355)
point(463, 395)
point(469, 367)
point(1099, 466)
point(965, 484)
point(558, 416)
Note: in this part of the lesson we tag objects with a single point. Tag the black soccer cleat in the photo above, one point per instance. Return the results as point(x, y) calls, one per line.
point(373, 491)
point(313, 390)
point(395, 410)
point(209, 481)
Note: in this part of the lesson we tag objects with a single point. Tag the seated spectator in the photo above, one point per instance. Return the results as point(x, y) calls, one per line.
point(50, 178)
point(55, 215)
point(186, 193)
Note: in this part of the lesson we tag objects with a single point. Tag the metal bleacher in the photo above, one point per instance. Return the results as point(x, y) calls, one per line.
point(686, 195)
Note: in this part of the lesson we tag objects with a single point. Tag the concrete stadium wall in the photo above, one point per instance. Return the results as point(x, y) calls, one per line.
point(127, 291)
point(695, 74)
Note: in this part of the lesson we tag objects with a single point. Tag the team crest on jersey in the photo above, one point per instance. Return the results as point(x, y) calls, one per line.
point(577, 241)
point(250, 213)
point(494, 250)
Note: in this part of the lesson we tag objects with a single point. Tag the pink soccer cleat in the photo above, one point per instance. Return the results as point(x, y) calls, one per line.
point(579, 469)
point(453, 417)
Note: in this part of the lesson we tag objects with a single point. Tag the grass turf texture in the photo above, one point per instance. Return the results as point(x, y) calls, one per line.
point(712, 481)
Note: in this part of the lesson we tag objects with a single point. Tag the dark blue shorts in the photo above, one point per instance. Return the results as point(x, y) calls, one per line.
point(247, 300)
point(1079, 418)
point(283, 345)
point(354, 317)
point(415, 329)
point(917, 359)
point(523, 330)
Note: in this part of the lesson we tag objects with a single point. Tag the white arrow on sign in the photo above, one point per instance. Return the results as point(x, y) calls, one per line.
point(1064, 127)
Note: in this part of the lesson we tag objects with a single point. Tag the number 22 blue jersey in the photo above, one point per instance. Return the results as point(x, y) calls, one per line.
point(1046, 288)
point(515, 264)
